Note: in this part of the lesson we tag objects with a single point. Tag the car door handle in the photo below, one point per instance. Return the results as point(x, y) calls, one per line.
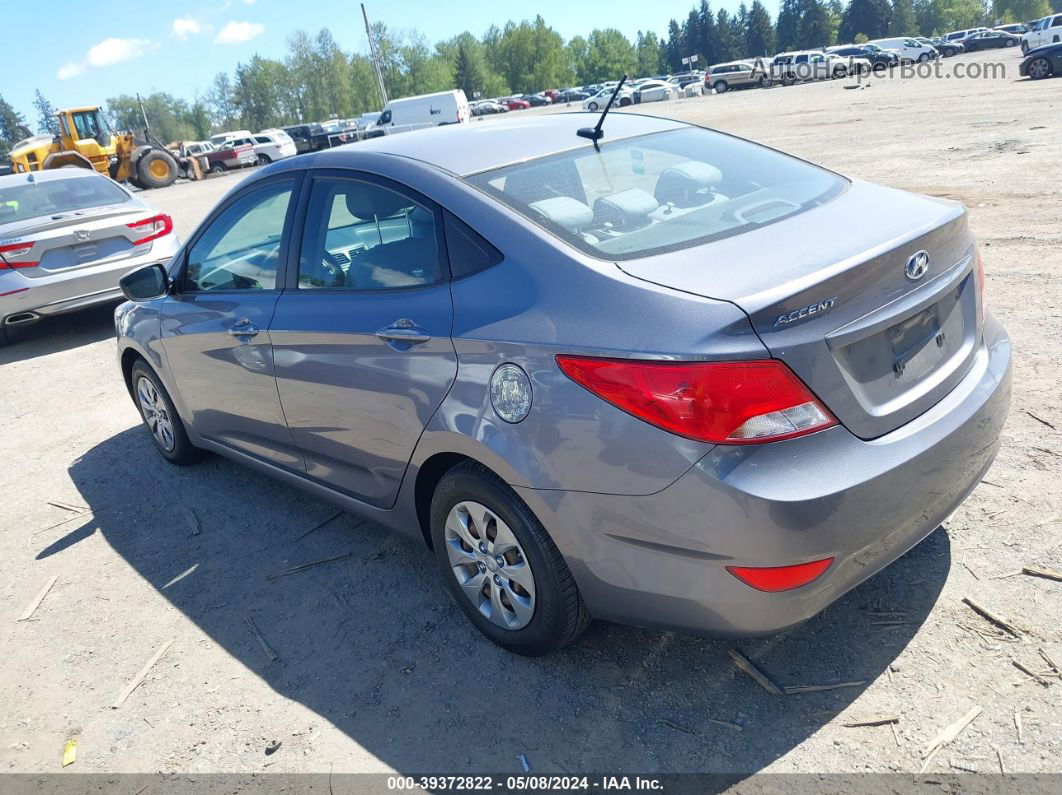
point(404, 331)
point(243, 328)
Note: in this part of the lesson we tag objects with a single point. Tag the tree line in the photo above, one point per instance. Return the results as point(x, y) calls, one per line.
point(317, 80)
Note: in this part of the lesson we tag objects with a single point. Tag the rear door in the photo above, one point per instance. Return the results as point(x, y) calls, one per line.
point(215, 327)
point(362, 334)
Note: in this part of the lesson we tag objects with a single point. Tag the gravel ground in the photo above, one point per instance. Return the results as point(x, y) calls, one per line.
point(376, 670)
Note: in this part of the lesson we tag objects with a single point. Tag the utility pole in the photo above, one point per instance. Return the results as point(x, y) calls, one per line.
point(375, 58)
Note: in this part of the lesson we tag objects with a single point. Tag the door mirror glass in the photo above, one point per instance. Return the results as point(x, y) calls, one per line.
point(145, 283)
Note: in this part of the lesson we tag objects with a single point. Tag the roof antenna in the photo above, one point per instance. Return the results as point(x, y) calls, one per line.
point(595, 134)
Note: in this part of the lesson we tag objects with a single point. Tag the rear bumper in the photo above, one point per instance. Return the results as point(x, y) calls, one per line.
point(659, 560)
point(74, 288)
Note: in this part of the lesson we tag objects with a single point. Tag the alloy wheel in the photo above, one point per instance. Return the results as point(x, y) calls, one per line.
point(1040, 68)
point(156, 415)
point(490, 565)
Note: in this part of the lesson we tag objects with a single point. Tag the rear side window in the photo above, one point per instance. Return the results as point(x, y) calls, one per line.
point(660, 192)
point(50, 197)
point(468, 251)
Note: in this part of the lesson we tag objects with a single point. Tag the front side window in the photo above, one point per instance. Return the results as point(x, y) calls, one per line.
point(87, 126)
point(660, 192)
point(240, 250)
point(363, 236)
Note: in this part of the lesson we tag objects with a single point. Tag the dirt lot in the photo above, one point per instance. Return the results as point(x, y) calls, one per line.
point(377, 670)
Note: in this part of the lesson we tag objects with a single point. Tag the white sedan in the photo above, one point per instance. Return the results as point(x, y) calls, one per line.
point(600, 99)
point(655, 91)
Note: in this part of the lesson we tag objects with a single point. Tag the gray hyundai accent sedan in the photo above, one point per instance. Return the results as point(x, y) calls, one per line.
point(682, 381)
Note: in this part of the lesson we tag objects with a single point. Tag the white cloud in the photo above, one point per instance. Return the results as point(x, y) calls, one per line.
point(248, 2)
point(183, 28)
point(68, 70)
point(112, 51)
point(239, 32)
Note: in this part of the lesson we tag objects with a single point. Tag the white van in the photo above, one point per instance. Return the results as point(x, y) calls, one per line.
point(444, 107)
point(908, 49)
point(959, 35)
point(1045, 31)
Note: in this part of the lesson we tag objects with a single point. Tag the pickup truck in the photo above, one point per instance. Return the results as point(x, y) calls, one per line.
point(218, 159)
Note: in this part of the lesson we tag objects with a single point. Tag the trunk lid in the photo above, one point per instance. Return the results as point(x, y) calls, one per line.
point(827, 292)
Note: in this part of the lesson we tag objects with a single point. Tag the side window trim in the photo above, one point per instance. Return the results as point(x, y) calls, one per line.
point(283, 267)
point(291, 279)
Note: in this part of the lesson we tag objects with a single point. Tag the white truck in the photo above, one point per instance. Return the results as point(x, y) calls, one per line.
point(1045, 31)
point(443, 107)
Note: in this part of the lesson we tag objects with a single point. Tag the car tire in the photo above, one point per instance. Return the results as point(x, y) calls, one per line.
point(840, 72)
point(1039, 68)
point(624, 101)
point(765, 81)
point(218, 168)
point(156, 169)
point(554, 615)
point(719, 86)
point(1009, 43)
point(592, 106)
point(1025, 47)
point(153, 402)
point(923, 57)
point(264, 160)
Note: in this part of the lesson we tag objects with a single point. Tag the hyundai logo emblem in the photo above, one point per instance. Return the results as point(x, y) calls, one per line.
point(916, 266)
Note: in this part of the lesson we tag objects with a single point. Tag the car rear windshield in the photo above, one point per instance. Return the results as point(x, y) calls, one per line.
point(659, 192)
point(53, 197)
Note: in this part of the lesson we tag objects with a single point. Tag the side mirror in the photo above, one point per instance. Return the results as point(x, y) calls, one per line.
point(145, 283)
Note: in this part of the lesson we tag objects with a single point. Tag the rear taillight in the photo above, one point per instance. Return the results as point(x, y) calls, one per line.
point(718, 402)
point(157, 226)
point(12, 251)
point(780, 578)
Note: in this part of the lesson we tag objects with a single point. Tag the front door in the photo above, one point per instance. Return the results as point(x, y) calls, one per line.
point(215, 328)
point(362, 336)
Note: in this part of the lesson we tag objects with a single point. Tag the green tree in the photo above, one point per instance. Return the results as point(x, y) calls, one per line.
point(673, 61)
point(691, 35)
point(609, 56)
point(12, 128)
point(647, 49)
point(220, 103)
point(46, 120)
point(730, 40)
point(709, 44)
point(577, 50)
point(759, 34)
point(167, 116)
point(787, 30)
point(869, 17)
point(1020, 10)
point(813, 31)
point(902, 21)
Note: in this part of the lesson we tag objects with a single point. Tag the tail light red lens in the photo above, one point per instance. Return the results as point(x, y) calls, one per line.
point(155, 227)
point(718, 402)
point(780, 578)
point(12, 251)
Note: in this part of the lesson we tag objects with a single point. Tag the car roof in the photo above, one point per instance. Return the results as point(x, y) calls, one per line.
point(51, 175)
point(473, 147)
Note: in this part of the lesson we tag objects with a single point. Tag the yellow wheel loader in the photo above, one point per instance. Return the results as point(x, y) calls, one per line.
point(85, 141)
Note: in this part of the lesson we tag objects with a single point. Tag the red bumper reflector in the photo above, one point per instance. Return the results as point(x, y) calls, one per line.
point(12, 292)
point(780, 578)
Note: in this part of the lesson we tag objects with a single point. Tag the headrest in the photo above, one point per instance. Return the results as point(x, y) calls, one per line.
point(687, 183)
point(566, 212)
point(626, 208)
point(369, 201)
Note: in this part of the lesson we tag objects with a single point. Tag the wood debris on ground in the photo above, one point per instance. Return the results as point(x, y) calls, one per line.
point(317, 526)
point(726, 724)
point(882, 721)
point(1039, 679)
point(37, 600)
point(794, 689)
point(191, 520)
point(129, 688)
point(66, 506)
point(272, 655)
point(1018, 726)
point(947, 735)
point(746, 665)
point(987, 614)
point(303, 566)
point(1041, 571)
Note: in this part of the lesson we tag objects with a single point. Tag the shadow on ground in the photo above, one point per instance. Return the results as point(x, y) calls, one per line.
point(58, 333)
point(373, 643)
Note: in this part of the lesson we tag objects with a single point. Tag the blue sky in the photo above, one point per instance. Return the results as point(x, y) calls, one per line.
point(90, 52)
